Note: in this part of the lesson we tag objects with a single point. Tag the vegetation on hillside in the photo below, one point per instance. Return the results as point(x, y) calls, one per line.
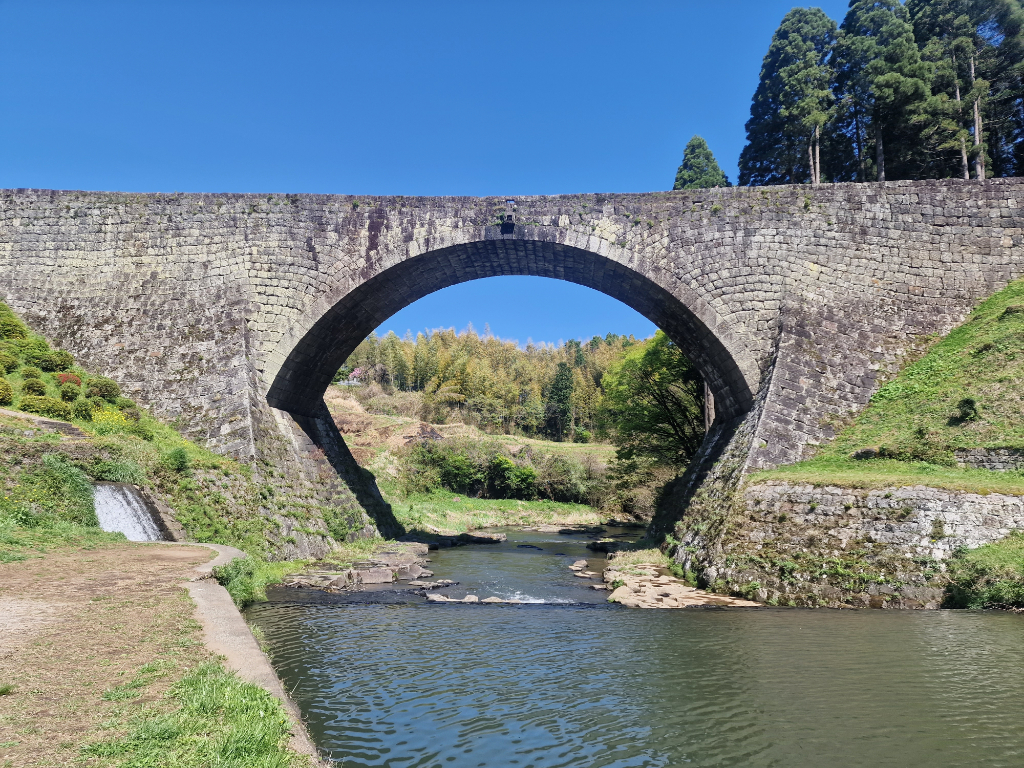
point(991, 576)
point(644, 397)
point(47, 480)
point(926, 89)
point(966, 392)
point(541, 390)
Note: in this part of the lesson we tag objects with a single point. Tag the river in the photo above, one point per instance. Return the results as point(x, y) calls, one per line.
point(386, 679)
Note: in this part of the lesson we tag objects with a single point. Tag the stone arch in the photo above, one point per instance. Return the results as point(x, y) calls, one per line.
point(311, 360)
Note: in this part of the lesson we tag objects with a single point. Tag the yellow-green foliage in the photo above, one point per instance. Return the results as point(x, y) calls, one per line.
point(6, 393)
point(488, 381)
point(966, 392)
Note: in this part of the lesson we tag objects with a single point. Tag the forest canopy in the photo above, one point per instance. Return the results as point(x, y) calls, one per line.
point(915, 90)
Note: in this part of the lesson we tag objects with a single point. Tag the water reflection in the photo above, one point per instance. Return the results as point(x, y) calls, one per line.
point(545, 685)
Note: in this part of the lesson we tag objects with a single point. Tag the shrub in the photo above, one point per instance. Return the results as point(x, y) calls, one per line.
point(124, 403)
point(101, 386)
point(6, 393)
point(69, 378)
point(508, 480)
point(140, 429)
point(967, 409)
point(49, 360)
point(132, 414)
point(564, 478)
point(8, 362)
point(991, 576)
point(68, 392)
point(31, 372)
point(82, 410)
point(45, 406)
point(176, 460)
point(12, 328)
point(33, 387)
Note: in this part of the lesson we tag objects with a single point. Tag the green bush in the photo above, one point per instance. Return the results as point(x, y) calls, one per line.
point(6, 393)
point(8, 362)
point(124, 403)
point(101, 386)
point(33, 387)
point(508, 480)
point(50, 360)
point(991, 576)
point(176, 460)
point(564, 478)
point(31, 372)
point(12, 328)
point(140, 429)
point(45, 406)
point(60, 491)
point(82, 409)
point(246, 579)
point(68, 392)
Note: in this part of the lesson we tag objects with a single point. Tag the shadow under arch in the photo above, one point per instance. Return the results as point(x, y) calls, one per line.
point(313, 360)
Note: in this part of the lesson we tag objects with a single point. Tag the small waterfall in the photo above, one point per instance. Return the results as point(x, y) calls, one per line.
point(120, 508)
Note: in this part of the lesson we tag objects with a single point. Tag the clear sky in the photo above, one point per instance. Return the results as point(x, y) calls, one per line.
point(399, 97)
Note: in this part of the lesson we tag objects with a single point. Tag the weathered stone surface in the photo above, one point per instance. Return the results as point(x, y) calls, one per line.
point(229, 314)
point(805, 545)
point(997, 459)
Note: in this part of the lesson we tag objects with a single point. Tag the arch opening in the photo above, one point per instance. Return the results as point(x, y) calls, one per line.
point(313, 361)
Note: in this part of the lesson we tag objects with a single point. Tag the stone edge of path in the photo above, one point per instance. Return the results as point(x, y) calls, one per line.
point(226, 634)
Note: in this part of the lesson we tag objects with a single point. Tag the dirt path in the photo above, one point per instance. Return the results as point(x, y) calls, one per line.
point(77, 623)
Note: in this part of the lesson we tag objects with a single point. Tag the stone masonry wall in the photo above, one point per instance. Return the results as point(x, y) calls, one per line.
point(806, 545)
point(200, 303)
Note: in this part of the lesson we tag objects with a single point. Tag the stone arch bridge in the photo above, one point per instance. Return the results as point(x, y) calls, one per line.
point(229, 313)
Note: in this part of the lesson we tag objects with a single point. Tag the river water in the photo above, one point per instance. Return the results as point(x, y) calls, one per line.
point(385, 679)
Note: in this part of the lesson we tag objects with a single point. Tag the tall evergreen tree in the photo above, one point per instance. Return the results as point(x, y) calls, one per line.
point(886, 87)
point(792, 103)
point(699, 169)
point(978, 51)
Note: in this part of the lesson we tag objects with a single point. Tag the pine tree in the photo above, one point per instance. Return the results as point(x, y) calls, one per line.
point(699, 169)
point(792, 103)
point(886, 87)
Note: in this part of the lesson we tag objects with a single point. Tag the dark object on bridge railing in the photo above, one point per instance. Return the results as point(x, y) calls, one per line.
point(508, 226)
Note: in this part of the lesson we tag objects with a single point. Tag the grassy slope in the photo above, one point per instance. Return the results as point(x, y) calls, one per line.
point(913, 423)
point(444, 511)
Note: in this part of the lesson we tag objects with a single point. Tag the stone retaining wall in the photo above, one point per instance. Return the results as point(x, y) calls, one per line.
point(806, 545)
point(998, 459)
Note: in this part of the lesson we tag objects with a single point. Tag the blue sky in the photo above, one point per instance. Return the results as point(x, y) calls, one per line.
point(410, 98)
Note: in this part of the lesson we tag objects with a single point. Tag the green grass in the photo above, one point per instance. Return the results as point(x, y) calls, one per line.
point(246, 578)
point(966, 392)
point(218, 720)
point(991, 576)
point(451, 513)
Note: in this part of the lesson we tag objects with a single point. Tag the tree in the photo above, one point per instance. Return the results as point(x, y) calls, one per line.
point(977, 50)
point(792, 103)
point(560, 402)
point(699, 169)
point(886, 86)
point(655, 399)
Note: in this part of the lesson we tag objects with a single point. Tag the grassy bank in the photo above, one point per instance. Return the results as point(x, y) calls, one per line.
point(106, 667)
point(965, 392)
point(991, 576)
